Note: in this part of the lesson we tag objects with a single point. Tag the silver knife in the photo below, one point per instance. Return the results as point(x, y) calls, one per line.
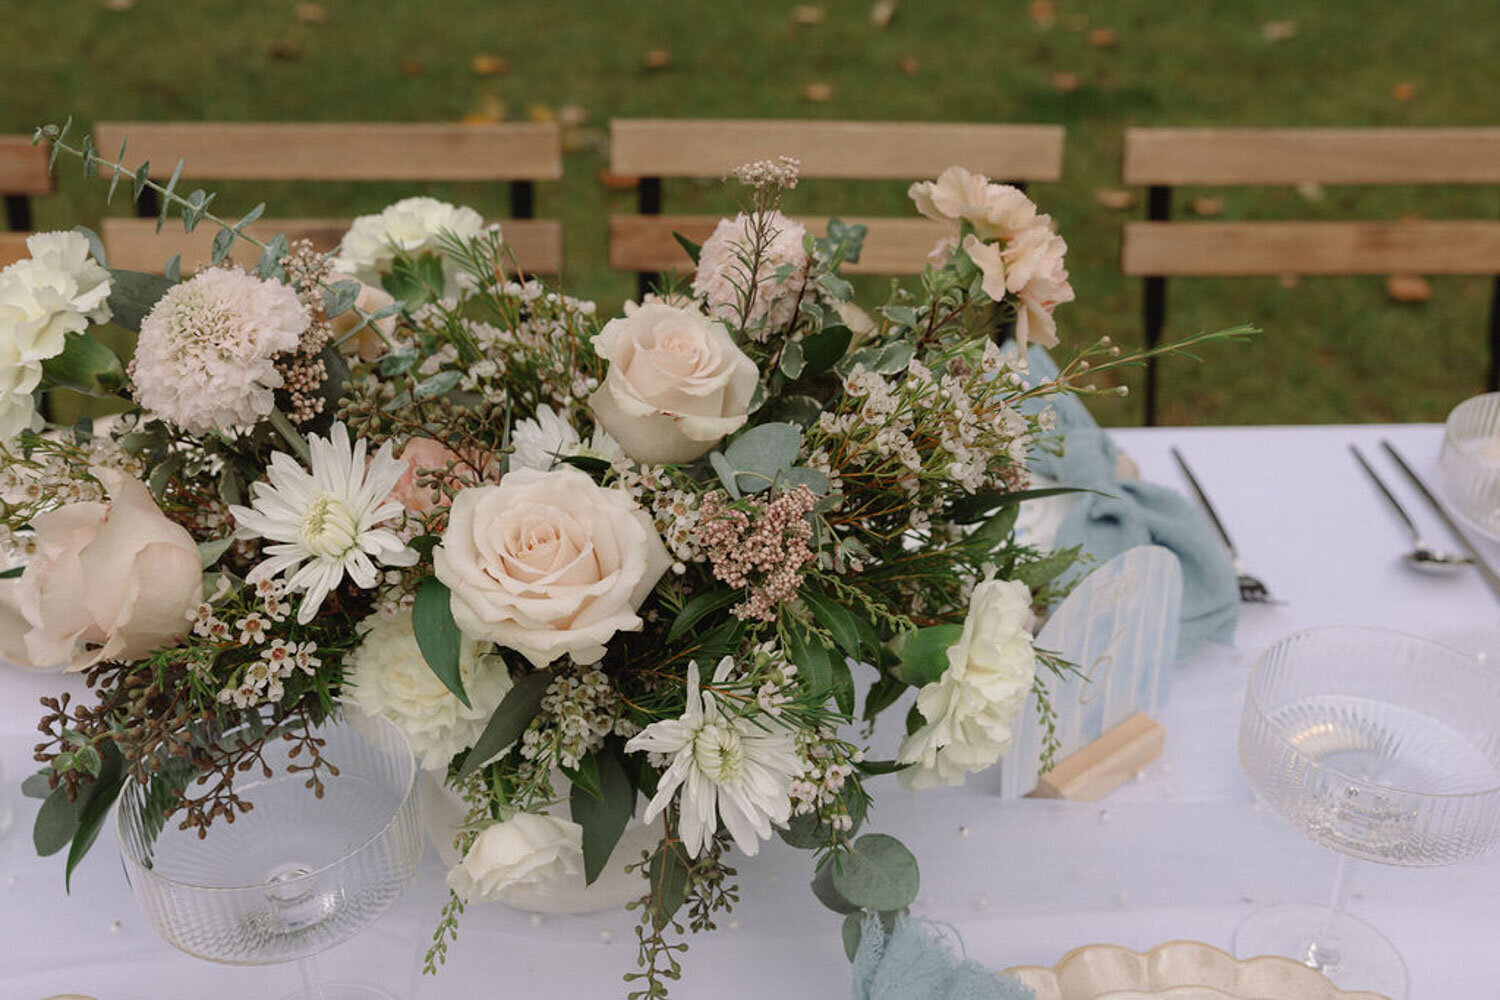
point(1485, 569)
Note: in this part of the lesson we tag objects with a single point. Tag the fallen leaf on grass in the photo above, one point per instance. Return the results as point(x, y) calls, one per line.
point(1288, 281)
point(1064, 82)
point(883, 13)
point(817, 93)
point(618, 182)
point(1115, 199)
point(118, 5)
point(910, 65)
point(411, 67)
point(1042, 14)
point(572, 115)
point(1408, 288)
point(1311, 190)
point(312, 13)
point(1104, 38)
point(1404, 91)
point(1076, 23)
point(657, 59)
point(284, 48)
point(1279, 31)
point(808, 13)
point(1205, 205)
point(488, 65)
point(490, 111)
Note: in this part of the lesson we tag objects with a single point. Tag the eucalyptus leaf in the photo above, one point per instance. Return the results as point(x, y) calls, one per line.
point(85, 364)
point(904, 315)
point(166, 194)
point(437, 634)
point(605, 815)
point(56, 822)
point(138, 183)
point(223, 243)
point(172, 271)
point(836, 286)
point(878, 873)
point(852, 930)
point(96, 245)
point(94, 808)
point(814, 660)
point(888, 360)
point(514, 714)
point(725, 472)
point(209, 552)
point(798, 409)
point(339, 297)
point(759, 454)
point(269, 266)
point(825, 348)
point(38, 785)
point(801, 475)
point(133, 294)
point(827, 893)
point(792, 360)
point(436, 385)
point(923, 654)
point(399, 361)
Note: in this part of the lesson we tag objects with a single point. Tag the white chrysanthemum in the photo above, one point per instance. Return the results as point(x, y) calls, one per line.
point(388, 676)
point(724, 271)
point(410, 226)
point(969, 710)
point(58, 290)
point(546, 437)
point(203, 360)
point(327, 523)
point(736, 768)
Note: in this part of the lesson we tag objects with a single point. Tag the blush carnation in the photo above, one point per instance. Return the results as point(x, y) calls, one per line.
point(204, 358)
point(724, 271)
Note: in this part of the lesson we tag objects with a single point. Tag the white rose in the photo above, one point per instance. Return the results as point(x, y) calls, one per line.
point(548, 563)
point(969, 710)
point(526, 849)
point(388, 676)
point(106, 582)
point(410, 226)
point(723, 277)
point(676, 385)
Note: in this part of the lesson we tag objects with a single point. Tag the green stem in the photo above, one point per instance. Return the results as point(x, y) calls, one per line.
point(292, 436)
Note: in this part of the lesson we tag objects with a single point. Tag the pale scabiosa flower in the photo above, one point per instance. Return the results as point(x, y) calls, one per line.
point(969, 710)
point(410, 226)
point(738, 768)
point(723, 274)
point(388, 676)
point(204, 358)
point(58, 290)
point(327, 522)
point(547, 437)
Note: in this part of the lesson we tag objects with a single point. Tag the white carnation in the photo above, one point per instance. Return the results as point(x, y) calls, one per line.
point(546, 437)
point(204, 357)
point(58, 290)
point(410, 226)
point(969, 710)
point(724, 276)
point(388, 676)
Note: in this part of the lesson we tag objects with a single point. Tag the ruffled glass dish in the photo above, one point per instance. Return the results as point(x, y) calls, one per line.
point(1469, 463)
point(1384, 747)
point(296, 874)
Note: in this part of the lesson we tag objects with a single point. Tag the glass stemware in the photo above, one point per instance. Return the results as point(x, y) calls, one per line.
point(296, 874)
point(1384, 747)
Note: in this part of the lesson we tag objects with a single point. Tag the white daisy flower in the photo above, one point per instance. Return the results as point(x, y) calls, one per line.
point(738, 767)
point(327, 522)
point(543, 440)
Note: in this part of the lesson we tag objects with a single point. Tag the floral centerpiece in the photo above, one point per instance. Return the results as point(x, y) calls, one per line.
point(667, 560)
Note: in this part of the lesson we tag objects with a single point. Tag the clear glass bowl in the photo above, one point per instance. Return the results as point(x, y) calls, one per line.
point(1378, 744)
point(297, 873)
point(1469, 463)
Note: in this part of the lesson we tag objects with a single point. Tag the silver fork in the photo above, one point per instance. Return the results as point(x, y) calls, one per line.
point(1252, 590)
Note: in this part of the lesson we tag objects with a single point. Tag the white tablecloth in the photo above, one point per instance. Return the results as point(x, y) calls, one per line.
point(1181, 853)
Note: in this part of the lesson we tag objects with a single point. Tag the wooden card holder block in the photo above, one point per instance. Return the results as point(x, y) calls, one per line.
point(1099, 768)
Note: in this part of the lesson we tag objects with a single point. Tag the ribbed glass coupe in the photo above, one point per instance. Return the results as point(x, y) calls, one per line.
point(1384, 747)
point(296, 874)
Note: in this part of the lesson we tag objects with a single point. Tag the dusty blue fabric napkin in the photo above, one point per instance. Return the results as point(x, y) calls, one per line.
point(1126, 513)
point(912, 963)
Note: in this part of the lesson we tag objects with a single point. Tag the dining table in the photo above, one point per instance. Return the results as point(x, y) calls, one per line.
point(1183, 851)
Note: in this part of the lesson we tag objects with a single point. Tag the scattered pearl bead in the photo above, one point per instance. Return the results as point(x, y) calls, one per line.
point(116, 927)
point(963, 831)
point(734, 925)
point(606, 936)
point(1104, 816)
point(10, 883)
point(1120, 899)
point(982, 904)
point(536, 920)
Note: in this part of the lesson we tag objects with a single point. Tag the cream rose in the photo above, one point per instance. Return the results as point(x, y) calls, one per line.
point(676, 385)
point(388, 676)
point(548, 563)
point(373, 340)
point(969, 710)
point(106, 582)
point(526, 849)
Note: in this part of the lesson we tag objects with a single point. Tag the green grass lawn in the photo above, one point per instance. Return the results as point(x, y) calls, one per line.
point(1333, 349)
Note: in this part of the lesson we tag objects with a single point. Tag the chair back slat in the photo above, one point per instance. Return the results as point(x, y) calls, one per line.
point(645, 242)
point(1208, 156)
point(23, 167)
point(13, 248)
point(340, 151)
point(1204, 249)
point(843, 150)
point(135, 245)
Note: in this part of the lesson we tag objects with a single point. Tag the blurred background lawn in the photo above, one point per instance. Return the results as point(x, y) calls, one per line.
point(1334, 349)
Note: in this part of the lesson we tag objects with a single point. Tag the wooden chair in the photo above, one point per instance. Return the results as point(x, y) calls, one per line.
point(653, 149)
point(520, 154)
point(23, 175)
point(1163, 158)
